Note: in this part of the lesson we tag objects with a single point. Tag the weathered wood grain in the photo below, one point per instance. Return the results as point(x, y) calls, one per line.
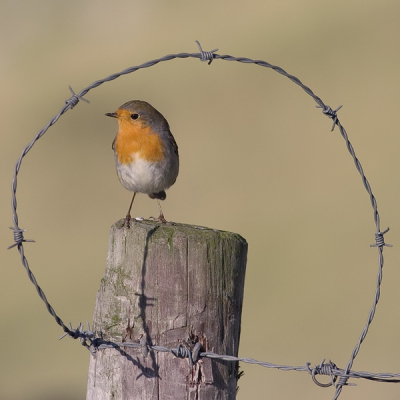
point(173, 284)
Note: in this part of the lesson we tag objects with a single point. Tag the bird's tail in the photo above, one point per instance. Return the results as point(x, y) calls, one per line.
point(160, 195)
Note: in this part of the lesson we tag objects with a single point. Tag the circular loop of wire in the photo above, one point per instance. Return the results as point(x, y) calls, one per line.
point(204, 56)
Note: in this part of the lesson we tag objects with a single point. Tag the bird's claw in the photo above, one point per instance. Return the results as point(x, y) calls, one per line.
point(127, 221)
point(159, 219)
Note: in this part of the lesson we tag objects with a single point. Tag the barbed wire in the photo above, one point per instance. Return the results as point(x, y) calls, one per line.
point(95, 344)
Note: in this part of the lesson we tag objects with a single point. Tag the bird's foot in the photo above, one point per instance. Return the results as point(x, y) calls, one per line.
point(160, 219)
point(127, 221)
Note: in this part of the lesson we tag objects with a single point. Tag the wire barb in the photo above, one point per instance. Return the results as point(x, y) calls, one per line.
point(343, 382)
point(183, 352)
point(323, 369)
point(74, 99)
point(331, 114)
point(196, 352)
point(18, 237)
point(206, 55)
point(78, 333)
point(379, 240)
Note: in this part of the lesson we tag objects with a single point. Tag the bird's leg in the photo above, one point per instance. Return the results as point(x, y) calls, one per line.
point(161, 217)
point(127, 221)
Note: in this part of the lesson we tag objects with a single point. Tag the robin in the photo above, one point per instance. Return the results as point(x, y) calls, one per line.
point(146, 154)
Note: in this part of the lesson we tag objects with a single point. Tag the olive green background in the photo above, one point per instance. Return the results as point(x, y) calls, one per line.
point(257, 158)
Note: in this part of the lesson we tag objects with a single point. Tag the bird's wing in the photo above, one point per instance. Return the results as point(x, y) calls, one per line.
point(113, 143)
point(174, 145)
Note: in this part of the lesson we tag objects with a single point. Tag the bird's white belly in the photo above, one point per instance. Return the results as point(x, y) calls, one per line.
point(142, 176)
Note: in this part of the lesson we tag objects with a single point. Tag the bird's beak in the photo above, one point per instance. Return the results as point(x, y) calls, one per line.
point(114, 115)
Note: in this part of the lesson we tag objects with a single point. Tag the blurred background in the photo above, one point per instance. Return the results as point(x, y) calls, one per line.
point(257, 158)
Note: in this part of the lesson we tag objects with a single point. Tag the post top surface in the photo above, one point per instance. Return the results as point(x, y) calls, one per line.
point(175, 227)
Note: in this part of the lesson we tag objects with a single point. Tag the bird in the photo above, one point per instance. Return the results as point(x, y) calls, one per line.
point(145, 151)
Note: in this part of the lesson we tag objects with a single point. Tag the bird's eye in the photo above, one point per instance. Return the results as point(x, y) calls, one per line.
point(135, 116)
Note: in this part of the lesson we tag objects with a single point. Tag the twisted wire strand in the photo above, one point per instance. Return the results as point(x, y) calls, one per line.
point(380, 243)
point(329, 369)
point(204, 56)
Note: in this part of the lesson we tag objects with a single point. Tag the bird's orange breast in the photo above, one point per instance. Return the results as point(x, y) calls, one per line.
point(139, 140)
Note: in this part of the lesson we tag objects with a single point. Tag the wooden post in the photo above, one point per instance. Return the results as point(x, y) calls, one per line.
point(171, 284)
